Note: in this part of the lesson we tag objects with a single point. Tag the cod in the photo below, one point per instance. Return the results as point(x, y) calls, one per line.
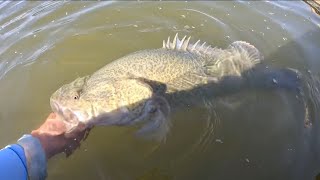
point(144, 88)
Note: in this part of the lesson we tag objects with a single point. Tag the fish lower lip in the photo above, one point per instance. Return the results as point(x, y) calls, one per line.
point(54, 106)
point(58, 110)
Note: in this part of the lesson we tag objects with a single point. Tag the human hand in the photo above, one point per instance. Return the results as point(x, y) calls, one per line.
point(54, 139)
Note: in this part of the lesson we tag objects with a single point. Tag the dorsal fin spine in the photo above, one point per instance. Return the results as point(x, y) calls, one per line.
point(185, 45)
point(208, 47)
point(195, 45)
point(174, 42)
point(202, 46)
point(168, 43)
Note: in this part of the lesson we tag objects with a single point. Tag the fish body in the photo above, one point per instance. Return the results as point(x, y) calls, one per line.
point(145, 87)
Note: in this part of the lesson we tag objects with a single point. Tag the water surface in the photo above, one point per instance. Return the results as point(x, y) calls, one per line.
point(251, 135)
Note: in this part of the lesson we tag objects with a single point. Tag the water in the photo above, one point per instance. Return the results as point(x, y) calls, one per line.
point(47, 44)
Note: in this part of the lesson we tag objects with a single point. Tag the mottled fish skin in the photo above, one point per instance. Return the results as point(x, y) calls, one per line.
point(146, 86)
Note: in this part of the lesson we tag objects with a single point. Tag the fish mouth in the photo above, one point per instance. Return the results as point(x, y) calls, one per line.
point(70, 116)
point(92, 116)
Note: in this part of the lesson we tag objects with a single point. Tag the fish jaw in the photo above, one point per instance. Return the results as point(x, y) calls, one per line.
point(89, 115)
point(69, 117)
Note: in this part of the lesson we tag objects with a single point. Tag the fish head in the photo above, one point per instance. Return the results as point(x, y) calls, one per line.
point(67, 103)
point(105, 102)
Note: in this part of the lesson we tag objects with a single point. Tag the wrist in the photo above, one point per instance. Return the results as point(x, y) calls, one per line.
point(43, 143)
point(35, 155)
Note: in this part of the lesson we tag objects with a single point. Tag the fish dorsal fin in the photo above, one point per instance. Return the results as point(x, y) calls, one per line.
point(185, 45)
point(247, 48)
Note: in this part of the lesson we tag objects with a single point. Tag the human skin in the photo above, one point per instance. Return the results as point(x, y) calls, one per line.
point(54, 138)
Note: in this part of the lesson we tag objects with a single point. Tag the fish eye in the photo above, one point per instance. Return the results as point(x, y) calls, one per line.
point(76, 96)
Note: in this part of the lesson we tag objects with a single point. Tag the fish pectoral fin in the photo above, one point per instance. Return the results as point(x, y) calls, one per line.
point(156, 129)
point(157, 124)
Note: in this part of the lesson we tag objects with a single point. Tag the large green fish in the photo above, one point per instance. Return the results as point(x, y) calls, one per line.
point(145, 87)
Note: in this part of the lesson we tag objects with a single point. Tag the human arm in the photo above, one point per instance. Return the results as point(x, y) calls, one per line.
point(29, 156)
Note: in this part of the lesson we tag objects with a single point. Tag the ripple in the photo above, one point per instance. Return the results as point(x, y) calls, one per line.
point(207, 15)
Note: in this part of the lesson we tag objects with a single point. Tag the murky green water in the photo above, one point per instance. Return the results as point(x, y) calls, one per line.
point(262, 136)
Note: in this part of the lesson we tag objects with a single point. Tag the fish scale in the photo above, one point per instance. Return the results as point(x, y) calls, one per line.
point(147, 86)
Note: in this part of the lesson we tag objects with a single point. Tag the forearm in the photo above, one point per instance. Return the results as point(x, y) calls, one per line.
point(28, 158)
point(13, 163)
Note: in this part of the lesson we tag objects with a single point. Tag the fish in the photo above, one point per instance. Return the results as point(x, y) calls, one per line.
point(146, 87)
